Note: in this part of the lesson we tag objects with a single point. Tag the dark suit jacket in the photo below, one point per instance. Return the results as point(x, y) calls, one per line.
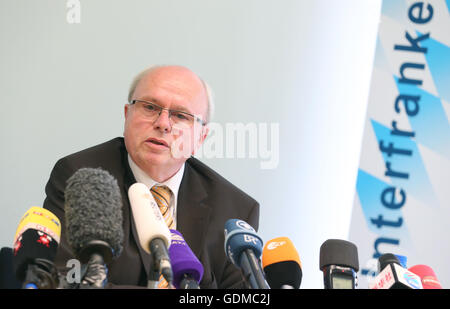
point(205, 202)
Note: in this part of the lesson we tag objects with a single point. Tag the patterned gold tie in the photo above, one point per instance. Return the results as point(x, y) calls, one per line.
point(163, 197)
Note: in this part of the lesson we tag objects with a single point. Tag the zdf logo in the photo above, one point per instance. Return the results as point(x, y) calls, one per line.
point(275, 244)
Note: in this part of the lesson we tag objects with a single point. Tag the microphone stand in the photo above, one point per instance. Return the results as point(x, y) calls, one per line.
point(255, 279)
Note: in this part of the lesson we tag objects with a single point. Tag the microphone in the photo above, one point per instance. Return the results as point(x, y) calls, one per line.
point(93, 211)
point(243, 248)
point(402, 259)
point(187, 269)
point(153, 233)
point(35, 245)
point(281, 264)
point(339, 264)
point(427, 276)
point(393, 276)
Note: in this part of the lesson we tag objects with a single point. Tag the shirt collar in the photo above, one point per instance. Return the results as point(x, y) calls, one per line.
point(173, 183)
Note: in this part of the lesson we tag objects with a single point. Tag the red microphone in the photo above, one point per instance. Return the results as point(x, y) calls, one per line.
point(427, 276)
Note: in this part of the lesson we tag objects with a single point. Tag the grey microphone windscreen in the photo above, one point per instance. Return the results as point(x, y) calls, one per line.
point(93, 210)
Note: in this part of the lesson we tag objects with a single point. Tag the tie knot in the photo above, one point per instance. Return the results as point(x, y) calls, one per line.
point(162, 193)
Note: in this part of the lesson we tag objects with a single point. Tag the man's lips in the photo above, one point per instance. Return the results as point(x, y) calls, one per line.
point(157, 141)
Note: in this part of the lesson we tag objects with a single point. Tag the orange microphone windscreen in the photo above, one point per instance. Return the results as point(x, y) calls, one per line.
point(279, 249)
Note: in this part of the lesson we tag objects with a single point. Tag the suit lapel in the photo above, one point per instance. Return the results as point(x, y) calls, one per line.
point(192, 210)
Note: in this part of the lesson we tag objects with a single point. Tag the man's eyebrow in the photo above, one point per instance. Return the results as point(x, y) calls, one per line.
point(149, 99)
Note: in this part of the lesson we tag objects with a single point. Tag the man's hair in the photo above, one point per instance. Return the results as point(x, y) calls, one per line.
point(208, 90)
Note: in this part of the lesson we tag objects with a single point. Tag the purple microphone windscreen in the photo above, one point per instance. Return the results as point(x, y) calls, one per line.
point(183, 260)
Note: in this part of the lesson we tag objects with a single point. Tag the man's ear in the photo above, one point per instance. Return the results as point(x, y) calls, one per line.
point(205, 132)
point(201, 139)
point(126, 110)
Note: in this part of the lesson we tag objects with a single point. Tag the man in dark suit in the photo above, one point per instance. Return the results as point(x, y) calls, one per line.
point(165, 123)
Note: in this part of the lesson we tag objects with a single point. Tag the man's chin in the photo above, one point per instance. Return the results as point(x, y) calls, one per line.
point(156, 159)
point(166, 160)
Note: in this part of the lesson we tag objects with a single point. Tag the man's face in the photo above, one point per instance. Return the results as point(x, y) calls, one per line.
point(161, 146)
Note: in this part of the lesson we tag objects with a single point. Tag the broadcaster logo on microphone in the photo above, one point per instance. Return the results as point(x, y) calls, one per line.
point(275, 244)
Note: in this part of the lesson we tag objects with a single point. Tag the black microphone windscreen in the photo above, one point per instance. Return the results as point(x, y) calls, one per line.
point(386, 259)
point(339, 252)
point(93, 210)
point(30, 245)
point(283, 273)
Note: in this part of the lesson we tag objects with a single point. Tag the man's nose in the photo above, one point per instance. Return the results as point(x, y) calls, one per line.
point(162, 122)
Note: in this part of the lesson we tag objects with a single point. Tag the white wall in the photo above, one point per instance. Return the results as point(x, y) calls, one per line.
point(305, 65)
